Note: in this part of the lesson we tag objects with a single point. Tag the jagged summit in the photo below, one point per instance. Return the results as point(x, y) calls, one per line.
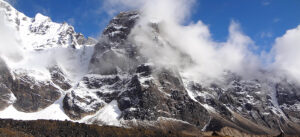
point(40, 32)
point(41, 18)
point(114, 51)
point(52, 57)
point(138, 86)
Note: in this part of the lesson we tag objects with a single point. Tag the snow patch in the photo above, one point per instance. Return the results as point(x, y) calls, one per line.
point(108, 115)
point(41, 18)
point(53, 112)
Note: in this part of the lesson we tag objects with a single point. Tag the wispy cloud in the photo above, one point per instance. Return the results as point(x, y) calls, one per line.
point(42, 10)
point(266, 2)
point(210, 58)
point(265, 34)
point(112, 7)
point(71, 21)
point(275, 20)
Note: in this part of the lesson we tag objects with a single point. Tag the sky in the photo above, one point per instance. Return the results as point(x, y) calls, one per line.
point(239, 36)
point(261, 20)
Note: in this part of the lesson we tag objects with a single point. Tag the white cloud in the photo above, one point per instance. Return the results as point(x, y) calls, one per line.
point(9, 46)
point(155, 8)
point(286, 53)
point(190, 47)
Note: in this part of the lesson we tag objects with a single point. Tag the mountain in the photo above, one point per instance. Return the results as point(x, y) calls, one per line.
point(62, 75)
point(42, 61)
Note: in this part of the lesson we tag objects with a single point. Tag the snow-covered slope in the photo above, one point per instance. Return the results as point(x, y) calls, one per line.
point(40, 32)
point(51, 57)
point(146, 91)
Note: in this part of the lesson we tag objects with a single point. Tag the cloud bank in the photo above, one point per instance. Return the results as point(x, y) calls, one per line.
point(190, 47)
point(168, 42)
point(286, 53)
point(9, 45)
point(165, 35)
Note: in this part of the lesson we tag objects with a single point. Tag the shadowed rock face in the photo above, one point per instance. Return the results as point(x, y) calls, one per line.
point(5, 86)
point(30, 95)
point(5, 98)
point(5, 76)
point(150, 100)
point(287, 93)
point(58, 78)
point(143, 92)
point(120, 26)
point(251, 106)
point(114, 52)
point(146, 92)
point(75, 111)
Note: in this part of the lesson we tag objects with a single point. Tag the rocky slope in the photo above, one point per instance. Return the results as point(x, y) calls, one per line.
point(120, 74)
point(43, 128)
point(49, 57)
point(114, 83)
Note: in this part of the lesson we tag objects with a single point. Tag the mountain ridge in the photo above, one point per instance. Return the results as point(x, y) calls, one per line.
point(112, 82)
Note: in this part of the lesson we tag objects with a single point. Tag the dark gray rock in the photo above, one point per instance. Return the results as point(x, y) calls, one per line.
point(287, 93)
point(80, 39)
point(144, 70)
point(5, 85)
point(5, 97)
point(249, 106)
point(88, 97)
point(5, 77)
point(117, 71)
point(33, 95)
point(120, 26)
point(113, 52)
point(59, 78)
point(75, 111)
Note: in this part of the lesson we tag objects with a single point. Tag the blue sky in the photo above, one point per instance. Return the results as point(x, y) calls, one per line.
point(262, 20)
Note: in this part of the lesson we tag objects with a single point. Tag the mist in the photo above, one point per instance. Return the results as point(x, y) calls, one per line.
point(285, 53)
point(9, 42)
point(18, 57)
point(165, 35)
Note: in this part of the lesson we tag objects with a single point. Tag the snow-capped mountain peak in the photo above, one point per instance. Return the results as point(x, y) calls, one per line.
point(51, 58)
point(41, 18)
point(40, 32)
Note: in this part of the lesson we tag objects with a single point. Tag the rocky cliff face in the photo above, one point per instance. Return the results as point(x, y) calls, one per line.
point(40, 32)
point(6, 79)
point(37, 80)
point(144, 91)
point(122, 87)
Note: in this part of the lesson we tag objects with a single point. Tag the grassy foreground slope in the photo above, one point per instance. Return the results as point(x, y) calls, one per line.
point(52, 128)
